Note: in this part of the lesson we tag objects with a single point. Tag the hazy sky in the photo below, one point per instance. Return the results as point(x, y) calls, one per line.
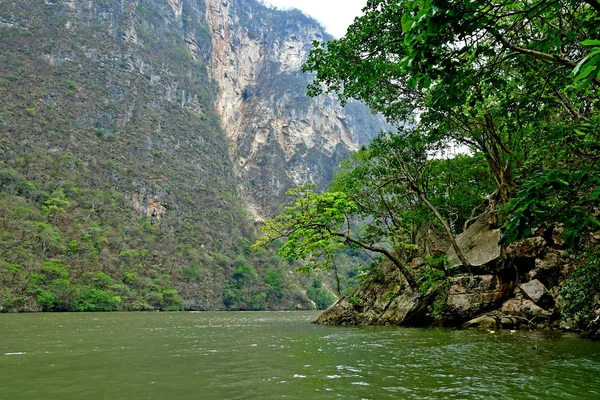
point(336, 15)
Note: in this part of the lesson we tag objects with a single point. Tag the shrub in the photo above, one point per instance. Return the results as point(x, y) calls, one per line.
point(46, 299)
point(172, 301)
point(54, 269)
point(93, 299)
point(581, 290)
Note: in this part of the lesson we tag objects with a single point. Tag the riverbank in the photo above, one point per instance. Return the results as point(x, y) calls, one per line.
point(522, 286)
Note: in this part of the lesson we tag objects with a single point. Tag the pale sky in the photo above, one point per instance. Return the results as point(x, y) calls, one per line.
point(335, 15)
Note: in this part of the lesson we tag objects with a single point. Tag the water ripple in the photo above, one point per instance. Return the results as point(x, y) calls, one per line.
point(281, 355)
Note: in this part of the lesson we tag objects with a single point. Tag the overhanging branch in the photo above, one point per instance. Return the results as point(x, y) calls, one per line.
point(538, 54)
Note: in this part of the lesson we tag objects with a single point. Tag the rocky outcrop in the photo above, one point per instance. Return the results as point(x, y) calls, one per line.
point(379, 302)
point(536, 292)
point(399, 310)
point(472, 295)
point(279, 137)
point(515, 288)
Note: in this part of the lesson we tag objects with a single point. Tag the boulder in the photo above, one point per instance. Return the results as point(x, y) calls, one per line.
point(537, 293)
point(405, 309)
point(483, 322)
point(547, 268)
point(479, 244)
point(534, 289)
point(432, 241)
point(524, 308)
point(386, 302)
point(509, 322)
point(472, 295)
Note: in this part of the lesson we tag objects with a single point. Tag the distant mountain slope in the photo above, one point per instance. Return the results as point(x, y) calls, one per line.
point(118, 186)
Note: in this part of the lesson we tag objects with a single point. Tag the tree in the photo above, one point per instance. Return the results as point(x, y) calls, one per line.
point(515, 81)
point(381, 198)
point(388, 179)
point(493, 75)
point(316, 226)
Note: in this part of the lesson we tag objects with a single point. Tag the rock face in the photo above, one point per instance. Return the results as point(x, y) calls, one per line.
point(473, 295)
point(164, 121)
point(279, 137)
point(401, 310)
point(379, 302)
point(536, 292)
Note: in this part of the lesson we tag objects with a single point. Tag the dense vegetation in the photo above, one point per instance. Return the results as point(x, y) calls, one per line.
point(517, 83)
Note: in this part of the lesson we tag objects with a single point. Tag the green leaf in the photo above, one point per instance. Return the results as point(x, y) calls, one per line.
point(591, 42)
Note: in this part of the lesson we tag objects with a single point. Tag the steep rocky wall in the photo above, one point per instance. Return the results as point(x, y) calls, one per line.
point(110, 102)
point(108, 107)
point(149, 121)
point(280, 138)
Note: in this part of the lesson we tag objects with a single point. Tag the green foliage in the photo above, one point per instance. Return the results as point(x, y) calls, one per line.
point(46, 299)
point(101, 280)
point(73, 246)
point(193, 271)
point(322, 297)
point(515, 82)
point(439, 305)
point(588, 68)
point(316, 227)
point(75, 165)
point(431, 280)
point(172, 301)
point(313, 225)
point(54, 269)
point(355, 301)
point(555, 196)
point(581, 290)
point(50, 253)
point(57, 204)
point(274, 279)
point(93, 299)
point(373, 274)
point(469, 68)
point(382, 198)
point(435, 283)
point(10, 300)
point(244, 291)
point(13, 182)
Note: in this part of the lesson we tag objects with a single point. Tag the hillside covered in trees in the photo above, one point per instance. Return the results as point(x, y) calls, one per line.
point(120, 181)
point(505, 234)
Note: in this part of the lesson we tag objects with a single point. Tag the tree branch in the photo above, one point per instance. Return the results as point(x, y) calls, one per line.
point(538, 54)
point(403, 270)
point(534, 53)
point(455, 246)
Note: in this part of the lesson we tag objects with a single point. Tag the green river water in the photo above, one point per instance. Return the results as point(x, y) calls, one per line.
point(273, 355)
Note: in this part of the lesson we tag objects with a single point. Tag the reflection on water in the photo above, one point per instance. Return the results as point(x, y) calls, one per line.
point(269, 355)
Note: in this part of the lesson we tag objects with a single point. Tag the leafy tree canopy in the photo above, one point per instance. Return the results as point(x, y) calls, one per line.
point(516, 81)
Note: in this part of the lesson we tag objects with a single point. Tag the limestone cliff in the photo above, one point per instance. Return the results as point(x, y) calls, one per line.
point(128, 131)
point(280, 138)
